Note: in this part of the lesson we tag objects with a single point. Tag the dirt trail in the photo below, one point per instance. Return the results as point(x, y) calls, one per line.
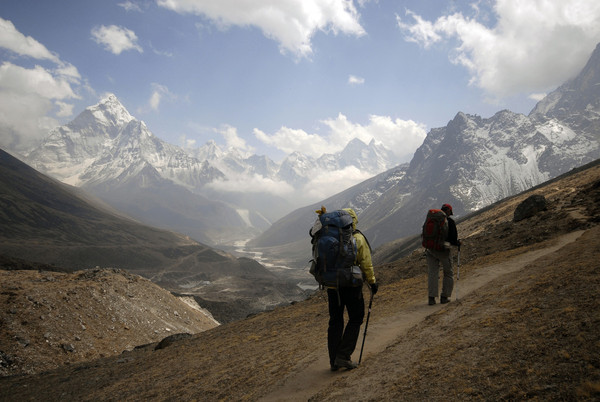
point(312, 374)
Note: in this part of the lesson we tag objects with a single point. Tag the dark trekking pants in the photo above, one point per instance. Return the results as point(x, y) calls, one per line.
point(341, 342)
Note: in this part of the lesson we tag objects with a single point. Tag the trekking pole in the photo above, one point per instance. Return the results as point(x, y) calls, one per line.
point(457, 270)
point(366, 325)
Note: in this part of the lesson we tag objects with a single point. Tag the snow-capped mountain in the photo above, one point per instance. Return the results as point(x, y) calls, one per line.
point(193, 191)
point(372, 157)
point(297, 168)
point(111, 154)
point(106, 143)
point(471, 163)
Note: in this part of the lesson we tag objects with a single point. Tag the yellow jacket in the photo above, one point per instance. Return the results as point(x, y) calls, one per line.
point(363, 253)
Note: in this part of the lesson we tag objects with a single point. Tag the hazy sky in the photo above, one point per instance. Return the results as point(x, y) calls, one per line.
point(273, 76)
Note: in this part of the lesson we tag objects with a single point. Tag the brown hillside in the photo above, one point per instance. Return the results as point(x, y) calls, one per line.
point(526, 325)
point(50, 319)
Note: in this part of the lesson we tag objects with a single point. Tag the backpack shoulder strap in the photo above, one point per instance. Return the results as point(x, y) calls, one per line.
point(365, 237)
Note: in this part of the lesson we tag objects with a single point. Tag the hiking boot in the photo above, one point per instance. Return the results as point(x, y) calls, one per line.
point(431, 301)
point(334, 367)
point(444, 300)
point(348, 364)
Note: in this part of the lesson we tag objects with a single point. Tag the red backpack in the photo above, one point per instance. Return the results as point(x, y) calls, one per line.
point(435, 230)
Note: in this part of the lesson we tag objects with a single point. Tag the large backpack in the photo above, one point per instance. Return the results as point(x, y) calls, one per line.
point(334, 251)
point(435, 230)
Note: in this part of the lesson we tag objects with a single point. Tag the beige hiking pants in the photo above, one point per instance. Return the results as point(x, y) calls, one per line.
point(434, 258)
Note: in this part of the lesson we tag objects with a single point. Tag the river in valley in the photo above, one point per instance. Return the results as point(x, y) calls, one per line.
point(300, 276)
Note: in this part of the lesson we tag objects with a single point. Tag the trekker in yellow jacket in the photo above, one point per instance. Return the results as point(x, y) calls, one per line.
point(341, 341)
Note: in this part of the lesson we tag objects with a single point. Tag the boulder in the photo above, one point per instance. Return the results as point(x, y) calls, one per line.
point(531, 206)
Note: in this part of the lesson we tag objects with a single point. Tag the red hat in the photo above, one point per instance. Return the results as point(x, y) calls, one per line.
point(447, 208)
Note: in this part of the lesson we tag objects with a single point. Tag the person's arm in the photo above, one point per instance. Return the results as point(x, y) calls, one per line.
point(363, 258)
point(452, 233)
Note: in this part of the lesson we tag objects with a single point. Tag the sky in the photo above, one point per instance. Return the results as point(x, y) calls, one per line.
point(275, 76)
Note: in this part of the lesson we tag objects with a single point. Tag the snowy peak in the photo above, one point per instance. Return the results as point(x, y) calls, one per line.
point(107, 118)
point(209, 151)
point(372, 158)
point(262, 165)
point(295, 168)
point(105, 142)
point(111, 112)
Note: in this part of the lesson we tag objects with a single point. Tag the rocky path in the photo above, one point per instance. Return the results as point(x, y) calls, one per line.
point(312, 375)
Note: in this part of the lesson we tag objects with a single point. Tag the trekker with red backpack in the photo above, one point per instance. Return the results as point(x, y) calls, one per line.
point(439, 232)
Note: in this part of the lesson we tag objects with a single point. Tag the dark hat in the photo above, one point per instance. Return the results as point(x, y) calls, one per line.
point(447, 208)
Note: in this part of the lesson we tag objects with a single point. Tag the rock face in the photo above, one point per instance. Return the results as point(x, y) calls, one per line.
point(530, 207)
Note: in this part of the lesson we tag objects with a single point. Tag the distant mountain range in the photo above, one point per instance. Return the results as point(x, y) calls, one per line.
point(114, 156)
point(470, 163)
point(48, 222)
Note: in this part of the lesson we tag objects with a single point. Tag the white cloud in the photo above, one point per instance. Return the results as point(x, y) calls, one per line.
point(26, 101)
point(402, 137)
point(65, 109)
point(68, 72)
point(154, 101)
point(254, 184)
point(423, 32)
point(319, 187)
point(23, 119)
point(323, 186)
point(187, 143)
point(354, 80)
point(534, 46)
point(159, 92)
point(160, 52)
point(289, 140)
point(233, 140)
point(116, 39)
point(537, 97)
point(31, 99)
point(292, 23)
point(37, 80)
point(15, 41)
point(130, 6)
